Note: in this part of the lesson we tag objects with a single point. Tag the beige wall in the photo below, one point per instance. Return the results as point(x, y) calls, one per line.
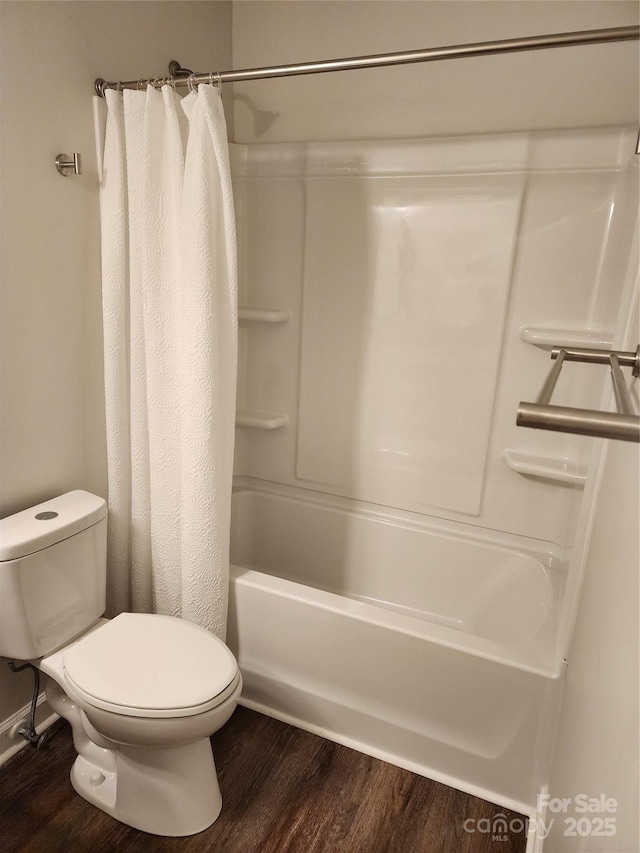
point(598, 739)
point(571, 87)
point(597, 750)
point(51, 416)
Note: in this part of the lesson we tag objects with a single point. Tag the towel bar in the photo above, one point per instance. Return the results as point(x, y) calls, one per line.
point(622, 425)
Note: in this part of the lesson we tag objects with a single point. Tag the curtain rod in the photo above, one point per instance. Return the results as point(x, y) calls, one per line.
point(381, 59)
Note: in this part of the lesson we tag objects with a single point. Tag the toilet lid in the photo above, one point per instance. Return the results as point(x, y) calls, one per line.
point(146, 665)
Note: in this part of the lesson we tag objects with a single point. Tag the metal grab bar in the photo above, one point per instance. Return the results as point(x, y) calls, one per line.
point(622, 425)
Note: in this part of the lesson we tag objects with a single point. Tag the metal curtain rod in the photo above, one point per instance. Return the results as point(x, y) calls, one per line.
point(381, 59)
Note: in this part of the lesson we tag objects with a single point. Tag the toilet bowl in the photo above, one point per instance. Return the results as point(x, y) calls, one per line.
point(142, 692)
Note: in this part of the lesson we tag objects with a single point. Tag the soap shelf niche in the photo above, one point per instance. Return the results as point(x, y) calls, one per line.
point(548, 339)
point(544, 468)
point(248, 315)
point(259, 419)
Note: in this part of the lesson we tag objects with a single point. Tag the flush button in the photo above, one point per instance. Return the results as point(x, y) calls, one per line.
point(45, 516)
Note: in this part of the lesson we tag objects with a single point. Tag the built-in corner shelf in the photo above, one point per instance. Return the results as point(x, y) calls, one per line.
point(549, 338)
point(259, 419)
point(263, 315)
point(543, 468)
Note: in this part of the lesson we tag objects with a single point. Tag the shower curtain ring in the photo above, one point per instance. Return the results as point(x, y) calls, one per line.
point(215, 79)
point(191, 83)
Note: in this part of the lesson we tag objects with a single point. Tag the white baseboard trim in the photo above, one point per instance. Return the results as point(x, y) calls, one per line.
point(9, 746)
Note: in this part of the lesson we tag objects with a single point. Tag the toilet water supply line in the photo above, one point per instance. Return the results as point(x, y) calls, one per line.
point(29, 733)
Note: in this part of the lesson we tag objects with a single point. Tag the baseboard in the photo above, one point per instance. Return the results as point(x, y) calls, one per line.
point(9, 745)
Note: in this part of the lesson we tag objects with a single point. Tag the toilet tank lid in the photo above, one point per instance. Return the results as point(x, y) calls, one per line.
point(39, 526)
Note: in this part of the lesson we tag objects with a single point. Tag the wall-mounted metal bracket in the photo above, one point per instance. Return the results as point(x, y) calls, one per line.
point(66, 166)
point(176, 70)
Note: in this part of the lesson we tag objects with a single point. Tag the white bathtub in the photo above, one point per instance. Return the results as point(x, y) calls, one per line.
point(427, 645)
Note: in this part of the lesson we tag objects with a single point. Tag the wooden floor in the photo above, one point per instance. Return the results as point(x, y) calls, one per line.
point(283, 790)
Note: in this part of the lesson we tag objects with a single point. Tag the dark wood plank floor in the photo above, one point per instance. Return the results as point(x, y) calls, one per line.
point(284, 791)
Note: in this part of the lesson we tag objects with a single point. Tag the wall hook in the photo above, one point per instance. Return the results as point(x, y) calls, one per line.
point(67, 167)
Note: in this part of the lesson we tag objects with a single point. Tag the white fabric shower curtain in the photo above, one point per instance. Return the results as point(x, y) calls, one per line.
point(169, 284)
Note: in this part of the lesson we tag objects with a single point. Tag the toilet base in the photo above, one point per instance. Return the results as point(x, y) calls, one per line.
point(171, 792)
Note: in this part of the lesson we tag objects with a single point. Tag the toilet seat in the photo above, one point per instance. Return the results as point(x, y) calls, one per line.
point(145, 665)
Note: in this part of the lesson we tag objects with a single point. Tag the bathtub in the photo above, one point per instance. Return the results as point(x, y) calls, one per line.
point(431, 645)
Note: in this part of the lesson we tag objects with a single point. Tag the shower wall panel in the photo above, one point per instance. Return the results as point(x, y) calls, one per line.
point(402, 274)
point(405, 291)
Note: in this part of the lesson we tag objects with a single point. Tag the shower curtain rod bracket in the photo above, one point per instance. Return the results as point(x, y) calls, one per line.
point(176, 70)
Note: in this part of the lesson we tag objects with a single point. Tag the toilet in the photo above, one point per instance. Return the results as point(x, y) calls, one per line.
point(142, 692)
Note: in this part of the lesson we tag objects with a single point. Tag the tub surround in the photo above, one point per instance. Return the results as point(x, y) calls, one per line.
point(405, 575)
point(408, 269)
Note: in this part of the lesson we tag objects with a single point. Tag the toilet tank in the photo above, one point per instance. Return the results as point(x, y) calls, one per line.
point(52, 573)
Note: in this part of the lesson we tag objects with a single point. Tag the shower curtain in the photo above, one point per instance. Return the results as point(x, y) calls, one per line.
point(169, 284)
